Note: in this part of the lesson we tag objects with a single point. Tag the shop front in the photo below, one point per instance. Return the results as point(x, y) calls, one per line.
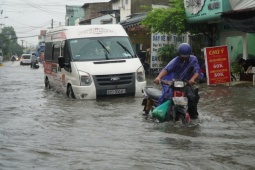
point(234, 22)
point(235, 27)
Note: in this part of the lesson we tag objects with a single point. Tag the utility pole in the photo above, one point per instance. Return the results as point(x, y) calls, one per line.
point(52, 23)
point(22, 43)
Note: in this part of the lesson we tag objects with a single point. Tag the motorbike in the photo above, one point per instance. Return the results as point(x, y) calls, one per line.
point(13, 59)
point(178, 106)
point(35, 65)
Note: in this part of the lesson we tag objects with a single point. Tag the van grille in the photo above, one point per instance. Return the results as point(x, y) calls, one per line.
point(114, 79)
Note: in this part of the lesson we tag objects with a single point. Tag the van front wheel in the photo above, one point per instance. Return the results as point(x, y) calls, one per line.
point(69, 92)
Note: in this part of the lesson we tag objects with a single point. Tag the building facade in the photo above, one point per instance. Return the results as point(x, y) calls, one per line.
point(73, 14)
point(217, 14)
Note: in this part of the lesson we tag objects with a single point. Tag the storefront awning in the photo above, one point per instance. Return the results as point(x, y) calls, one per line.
point(133, 21)
point(241, 20)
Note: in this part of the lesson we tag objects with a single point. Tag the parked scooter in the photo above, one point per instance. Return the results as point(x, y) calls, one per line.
point(178, 107)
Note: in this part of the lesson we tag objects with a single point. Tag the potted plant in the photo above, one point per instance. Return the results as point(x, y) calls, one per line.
point(236, 69)
point(167, 53)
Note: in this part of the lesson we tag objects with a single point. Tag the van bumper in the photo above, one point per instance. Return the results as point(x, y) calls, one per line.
point(84, 92)
point(89, 92)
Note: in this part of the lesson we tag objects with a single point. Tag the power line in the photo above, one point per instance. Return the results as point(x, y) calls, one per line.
point(29, 10)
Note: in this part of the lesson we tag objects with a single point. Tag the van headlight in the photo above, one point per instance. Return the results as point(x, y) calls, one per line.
point(85, 78)
point(140, 74)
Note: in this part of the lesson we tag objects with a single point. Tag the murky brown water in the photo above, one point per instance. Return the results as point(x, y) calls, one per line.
point(42, 129)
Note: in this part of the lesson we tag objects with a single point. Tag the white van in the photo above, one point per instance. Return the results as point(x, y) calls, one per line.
point(89, 61)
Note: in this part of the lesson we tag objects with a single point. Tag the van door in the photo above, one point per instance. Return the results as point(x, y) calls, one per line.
point(55, 66)
point(65, 72)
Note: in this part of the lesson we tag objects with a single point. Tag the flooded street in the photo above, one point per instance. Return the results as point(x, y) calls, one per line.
point(44, 130)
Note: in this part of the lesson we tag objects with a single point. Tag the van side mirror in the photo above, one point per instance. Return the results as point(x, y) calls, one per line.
point(61, 61)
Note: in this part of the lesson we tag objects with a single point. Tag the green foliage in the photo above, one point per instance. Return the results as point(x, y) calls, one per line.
point(173, 20)
point(8, 42)
point(5, 44)
point(167, 53)
point(236, 68)
point(167, 20)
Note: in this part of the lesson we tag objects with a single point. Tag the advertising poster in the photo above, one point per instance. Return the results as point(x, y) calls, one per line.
point(159, 40)
point(217, 65)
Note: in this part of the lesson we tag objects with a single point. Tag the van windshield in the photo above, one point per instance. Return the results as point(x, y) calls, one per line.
point(101, 48)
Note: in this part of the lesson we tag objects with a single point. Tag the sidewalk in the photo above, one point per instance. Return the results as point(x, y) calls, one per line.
point(242, 83)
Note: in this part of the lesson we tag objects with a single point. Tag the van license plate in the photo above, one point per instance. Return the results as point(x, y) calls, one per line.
point(116, 91)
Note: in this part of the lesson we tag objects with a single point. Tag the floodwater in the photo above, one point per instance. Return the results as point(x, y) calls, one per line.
point(44, 130)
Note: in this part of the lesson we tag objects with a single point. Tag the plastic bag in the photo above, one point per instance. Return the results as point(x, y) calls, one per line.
point(160, 111)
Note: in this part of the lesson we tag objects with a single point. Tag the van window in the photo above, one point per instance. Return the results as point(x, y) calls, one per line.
point(65, 52)
point(56, 52)
point(101, 48)
point(48, 51)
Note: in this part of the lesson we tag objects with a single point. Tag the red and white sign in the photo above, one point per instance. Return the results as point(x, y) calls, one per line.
point(217, 65)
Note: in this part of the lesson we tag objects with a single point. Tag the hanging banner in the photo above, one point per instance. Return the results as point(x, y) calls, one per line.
point(217, 65)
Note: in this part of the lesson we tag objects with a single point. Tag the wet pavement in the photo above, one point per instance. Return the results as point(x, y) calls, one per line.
point(42, 129)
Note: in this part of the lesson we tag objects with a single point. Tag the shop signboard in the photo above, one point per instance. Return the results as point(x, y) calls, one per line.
point(205, 10)
point(217, 65)
point(159, 40)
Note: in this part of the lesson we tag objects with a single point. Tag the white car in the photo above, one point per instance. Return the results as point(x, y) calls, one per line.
point(25, 59)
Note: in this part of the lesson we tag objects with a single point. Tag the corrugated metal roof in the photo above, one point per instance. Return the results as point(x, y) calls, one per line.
point(135, 20)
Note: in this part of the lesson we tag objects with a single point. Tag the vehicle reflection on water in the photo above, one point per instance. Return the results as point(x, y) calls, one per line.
point(42, 129)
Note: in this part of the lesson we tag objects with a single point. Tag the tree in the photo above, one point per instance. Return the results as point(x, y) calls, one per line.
point(4, 43)
point(173, 20)
point(170, 20)
point(8, 41)
point(167, 53)
point(167, 20)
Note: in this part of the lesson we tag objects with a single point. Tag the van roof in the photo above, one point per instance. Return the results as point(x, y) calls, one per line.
point(70, 32)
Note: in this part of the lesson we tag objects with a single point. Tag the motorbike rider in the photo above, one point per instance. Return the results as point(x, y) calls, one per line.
point(33, 61)
point(13, 58)
point(177, 69)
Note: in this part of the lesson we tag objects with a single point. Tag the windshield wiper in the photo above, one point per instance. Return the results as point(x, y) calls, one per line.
point(125, 48)
point(106, 55)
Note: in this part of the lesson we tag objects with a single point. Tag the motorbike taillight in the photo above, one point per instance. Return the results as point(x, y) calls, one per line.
point(178, 94)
